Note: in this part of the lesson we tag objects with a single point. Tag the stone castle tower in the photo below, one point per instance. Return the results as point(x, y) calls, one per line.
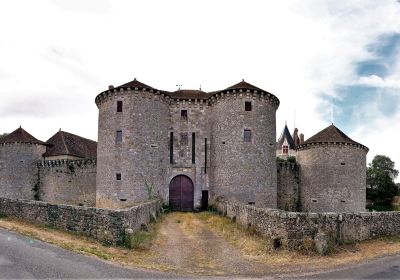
point(332, 172)
point(186, 145)
point(19, 153)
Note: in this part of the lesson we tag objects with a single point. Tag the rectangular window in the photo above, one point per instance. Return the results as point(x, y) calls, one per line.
point(193, 148)
point(118, 138)
point(119, 106)
point(118, 176)
point(171, 148)
point(285, 150)
point(184, 115)
point(205, 155)
point(247, 106)
point(247, 135)
point(184, 139)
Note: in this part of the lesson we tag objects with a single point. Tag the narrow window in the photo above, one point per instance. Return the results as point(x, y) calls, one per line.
point(184, 139)
point(247, 105)
point(205, 155)
point(247, 135)
point(285, 150)
point(118, 176)
point(119, 106)
point(184, 115)
point(193, 148)
point(171, 148)
point(119, 136)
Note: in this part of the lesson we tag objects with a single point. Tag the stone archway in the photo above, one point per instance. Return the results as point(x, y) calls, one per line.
point(181, 193)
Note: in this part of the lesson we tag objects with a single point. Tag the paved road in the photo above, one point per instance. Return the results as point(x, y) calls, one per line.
point(382, 268)
point(22, 258)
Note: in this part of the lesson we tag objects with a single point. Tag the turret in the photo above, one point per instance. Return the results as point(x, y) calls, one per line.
point(332, 172)
point(19, 154)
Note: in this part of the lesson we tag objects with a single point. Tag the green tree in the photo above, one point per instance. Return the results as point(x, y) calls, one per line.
point(3, 135)
point(380, 179)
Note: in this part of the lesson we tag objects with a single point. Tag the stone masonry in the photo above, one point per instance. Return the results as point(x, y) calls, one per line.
point(106, 225)
point(70, 182)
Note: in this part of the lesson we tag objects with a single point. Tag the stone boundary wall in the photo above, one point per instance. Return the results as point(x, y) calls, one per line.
point(106, 225)
point(292, 229)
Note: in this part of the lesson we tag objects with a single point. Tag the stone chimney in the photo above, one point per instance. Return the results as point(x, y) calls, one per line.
point(301, 138)
point(296, 137)
point(110, 87)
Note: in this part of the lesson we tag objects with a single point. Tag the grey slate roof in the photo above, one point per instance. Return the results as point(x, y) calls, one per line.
point(289, 138)
point(64, 143)
point(331, 134)
point(20, 136)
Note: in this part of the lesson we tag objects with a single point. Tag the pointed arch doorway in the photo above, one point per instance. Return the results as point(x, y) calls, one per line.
point(181, 193)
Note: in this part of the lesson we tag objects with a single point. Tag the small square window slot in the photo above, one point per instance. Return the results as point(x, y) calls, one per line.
point(247, 106)
point(184, 115)
point(118, 176)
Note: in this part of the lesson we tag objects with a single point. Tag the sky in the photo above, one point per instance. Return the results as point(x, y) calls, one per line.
point(325, 60)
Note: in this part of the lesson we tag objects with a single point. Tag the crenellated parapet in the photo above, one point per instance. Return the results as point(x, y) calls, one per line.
point(144, 93)
point(245, 94)
point(66, 162)
point(307, 146)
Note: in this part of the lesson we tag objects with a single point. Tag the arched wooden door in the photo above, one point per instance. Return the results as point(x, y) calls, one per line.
point(181, 192)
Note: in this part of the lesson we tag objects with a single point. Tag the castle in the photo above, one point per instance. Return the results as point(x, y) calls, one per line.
point(187, 147)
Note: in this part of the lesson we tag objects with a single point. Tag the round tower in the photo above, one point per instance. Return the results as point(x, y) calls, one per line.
point(243, 146)
point(19, 154)
point(132, 151)
point(332, 172)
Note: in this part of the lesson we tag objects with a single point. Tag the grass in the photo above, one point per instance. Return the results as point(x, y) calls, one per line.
point(141, 239)
point(259, 248)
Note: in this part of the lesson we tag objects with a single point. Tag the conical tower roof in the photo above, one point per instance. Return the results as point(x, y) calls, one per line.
point(243, 85)
point(330, 135)
point(20, 136)
point(286, 134)
point(135, 84)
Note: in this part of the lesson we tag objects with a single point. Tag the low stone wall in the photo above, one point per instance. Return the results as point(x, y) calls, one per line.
point(106, 225)
point(292, 229)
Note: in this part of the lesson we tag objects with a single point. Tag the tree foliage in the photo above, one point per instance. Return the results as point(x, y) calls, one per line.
point(380, 179)
point(3, 135)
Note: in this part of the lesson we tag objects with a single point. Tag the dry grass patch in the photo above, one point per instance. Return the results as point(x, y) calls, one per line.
point(138, 257)
point(260, 249)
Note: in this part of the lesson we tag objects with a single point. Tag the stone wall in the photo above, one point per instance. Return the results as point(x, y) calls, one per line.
point(18, 171)
point(71, 182)
point(288, 186)
point(332, 178)
point(106, 225)
point(142, 155)
point(293, 228)
point(245, 171)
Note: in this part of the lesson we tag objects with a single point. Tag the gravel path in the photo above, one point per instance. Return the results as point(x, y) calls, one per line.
point(187, 245)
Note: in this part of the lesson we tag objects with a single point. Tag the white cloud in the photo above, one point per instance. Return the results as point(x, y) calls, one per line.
point(72, 50)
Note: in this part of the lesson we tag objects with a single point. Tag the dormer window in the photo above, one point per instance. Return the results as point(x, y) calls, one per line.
point(285, 149)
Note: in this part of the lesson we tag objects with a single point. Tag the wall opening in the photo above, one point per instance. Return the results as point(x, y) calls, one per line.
point(247, 106)
point(181, 193)
point(204, 200)
point(119, 106)
point(184, 115)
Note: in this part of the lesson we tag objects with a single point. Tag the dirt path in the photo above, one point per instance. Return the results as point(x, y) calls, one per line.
point(187, 244)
